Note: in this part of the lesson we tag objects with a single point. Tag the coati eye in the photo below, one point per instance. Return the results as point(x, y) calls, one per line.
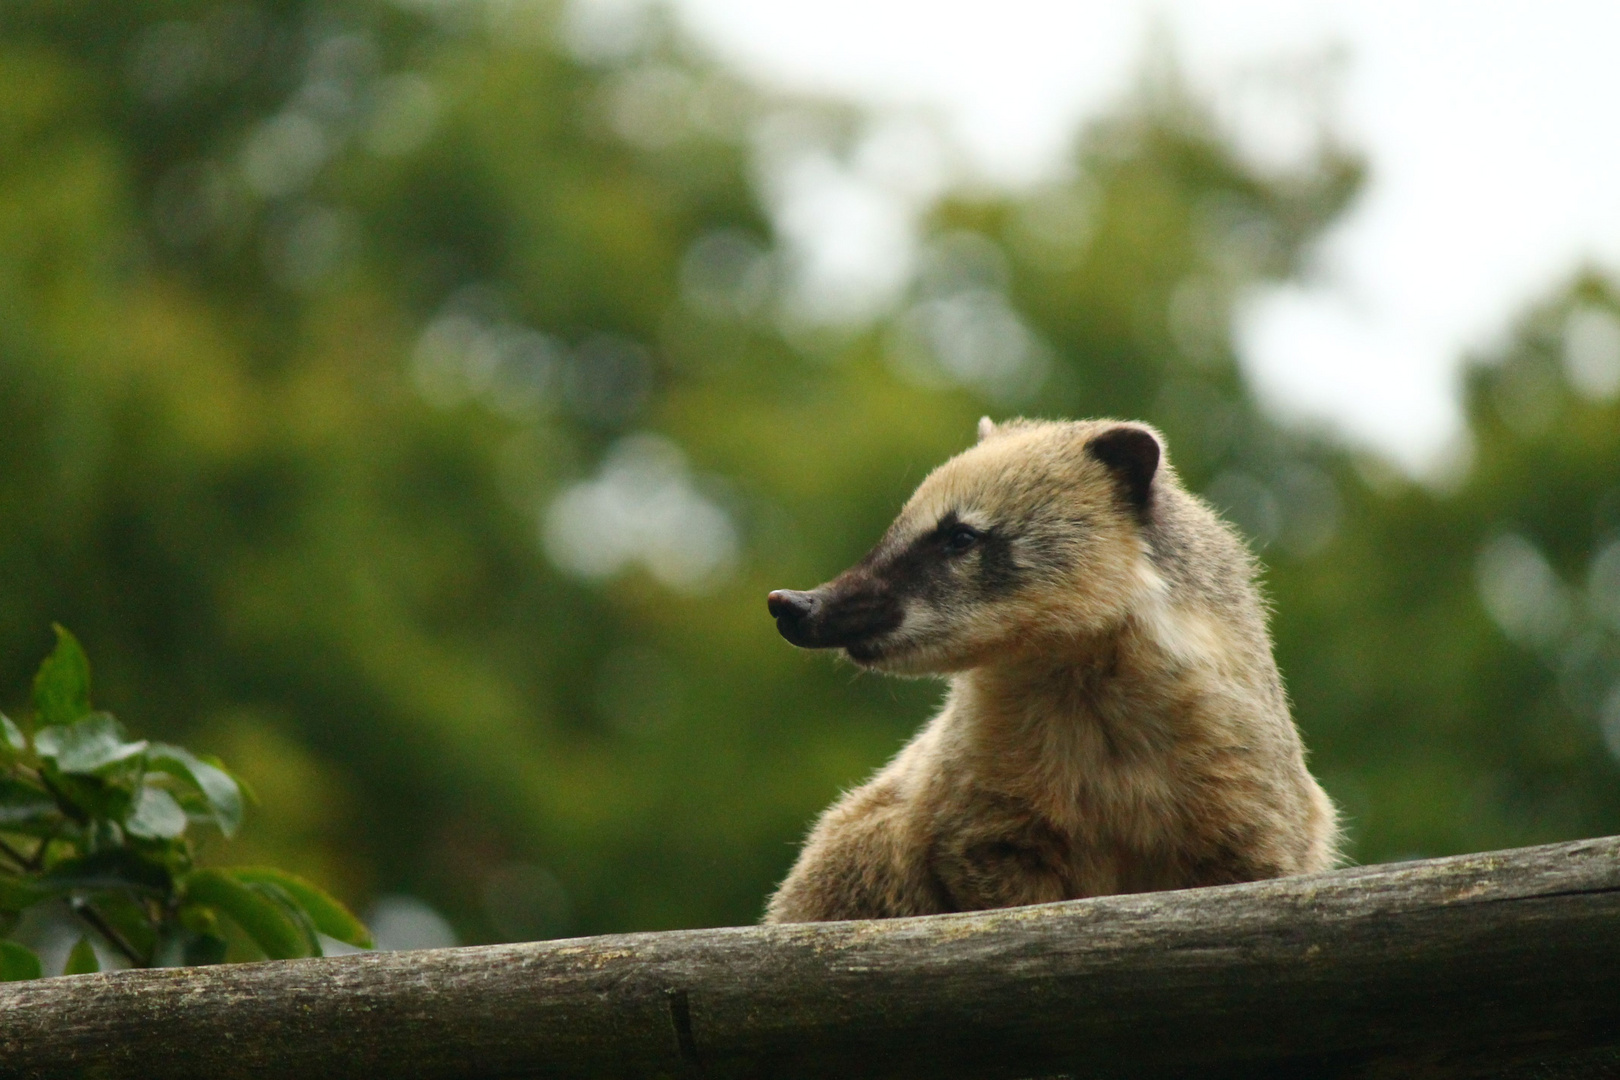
point(960, 539)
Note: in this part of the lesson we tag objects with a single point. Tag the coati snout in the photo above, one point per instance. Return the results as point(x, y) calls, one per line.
point(849, 612)
point(856, 610)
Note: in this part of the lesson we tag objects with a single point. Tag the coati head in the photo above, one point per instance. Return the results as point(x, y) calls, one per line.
point(1037, 532)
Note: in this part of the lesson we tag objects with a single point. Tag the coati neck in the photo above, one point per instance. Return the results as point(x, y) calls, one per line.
point(1101, 700)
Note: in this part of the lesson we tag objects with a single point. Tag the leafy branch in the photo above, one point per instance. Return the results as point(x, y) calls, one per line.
point(94, 818)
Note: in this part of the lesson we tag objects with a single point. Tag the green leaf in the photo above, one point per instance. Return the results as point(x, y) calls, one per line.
point(128, 917)
point(262, 918)
point(199, 919)
point(117, 868)
point(87, 746)
point(11, 737)
point(82, 960)
point(18, 962)
point(328, 914)
point(17, 893)
point(156, 815)
point(219, 787)
point(62, 685)
point(289, 907)
point(22, 802)
point(201, 949)
point(249, 796)
point(97, 803)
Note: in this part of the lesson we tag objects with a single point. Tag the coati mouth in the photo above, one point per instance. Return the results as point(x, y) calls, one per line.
point(865, 653)
point(826, 618)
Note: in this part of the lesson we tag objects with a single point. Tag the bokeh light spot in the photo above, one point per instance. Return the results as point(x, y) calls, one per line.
point(643, 508)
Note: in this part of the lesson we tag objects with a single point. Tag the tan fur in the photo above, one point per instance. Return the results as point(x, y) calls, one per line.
point(1115, 723)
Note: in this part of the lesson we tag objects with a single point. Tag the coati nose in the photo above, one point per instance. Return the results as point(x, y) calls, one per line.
point(791, 609)
point(791, 604)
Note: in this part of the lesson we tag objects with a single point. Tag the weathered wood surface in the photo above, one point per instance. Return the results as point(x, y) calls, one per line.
point(1505, 964)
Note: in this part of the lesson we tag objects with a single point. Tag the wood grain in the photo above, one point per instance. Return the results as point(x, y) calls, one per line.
point(1505, 964)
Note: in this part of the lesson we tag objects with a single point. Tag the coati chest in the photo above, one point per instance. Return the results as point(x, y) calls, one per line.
point(1071, 807)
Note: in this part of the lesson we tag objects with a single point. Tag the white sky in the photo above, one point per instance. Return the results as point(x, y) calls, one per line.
point(1492, 128)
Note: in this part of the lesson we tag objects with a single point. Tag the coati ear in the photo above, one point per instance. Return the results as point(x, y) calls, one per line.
point(1132, 455)
point(987, 428)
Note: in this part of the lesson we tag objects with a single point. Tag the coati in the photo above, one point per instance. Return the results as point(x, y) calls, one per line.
point(1115, 721)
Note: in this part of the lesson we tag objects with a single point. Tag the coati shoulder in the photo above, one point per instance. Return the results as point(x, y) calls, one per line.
point(1115, 721)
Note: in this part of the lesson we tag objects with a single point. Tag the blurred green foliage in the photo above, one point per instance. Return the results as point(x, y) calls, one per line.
point(413, 402)
point(93, 840)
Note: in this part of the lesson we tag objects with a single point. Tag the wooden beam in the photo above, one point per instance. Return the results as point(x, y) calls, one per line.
point(1503, 964)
